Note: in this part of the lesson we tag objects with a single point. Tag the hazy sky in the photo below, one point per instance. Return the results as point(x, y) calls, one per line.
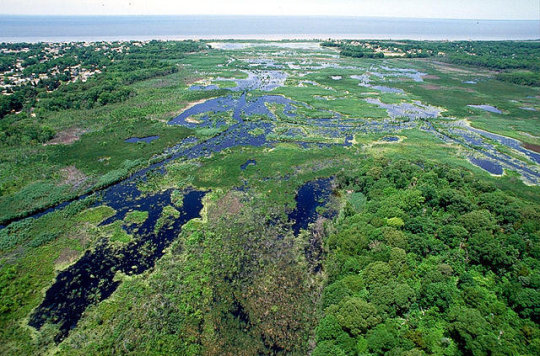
point(468, 9)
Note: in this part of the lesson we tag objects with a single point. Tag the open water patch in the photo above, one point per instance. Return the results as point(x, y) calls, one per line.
point(410, 73)
point(265, 80)
point(412, 111)
point(249, 162)
point(508, 142)
point(146, 139)
point(310, 196)
point(384, 89)
point(490, 166)
point(488, 108)
point(204, 87)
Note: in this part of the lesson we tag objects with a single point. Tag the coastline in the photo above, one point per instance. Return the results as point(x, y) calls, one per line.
point(255, 37)
point(141, 28)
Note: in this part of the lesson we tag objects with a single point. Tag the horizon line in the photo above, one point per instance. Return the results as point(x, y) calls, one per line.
point(268, 16)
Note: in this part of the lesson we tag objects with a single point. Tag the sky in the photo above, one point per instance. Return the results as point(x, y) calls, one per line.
point(459, 9)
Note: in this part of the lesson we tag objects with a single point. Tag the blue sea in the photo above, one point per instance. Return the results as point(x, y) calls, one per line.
point(95, 28)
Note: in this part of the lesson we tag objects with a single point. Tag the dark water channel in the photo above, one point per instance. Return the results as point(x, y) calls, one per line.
point(91, 279)
point(249, 162)
point(146, 139)
point(490, 166)
point(310, 196)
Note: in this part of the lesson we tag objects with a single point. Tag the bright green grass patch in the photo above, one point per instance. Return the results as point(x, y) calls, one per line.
point(454, 96)
point(167, 216)
point(224, 83)
point(177, 198)
point(236, 74)
point(171, 211)
point(277, 174)
point(514, 127)
point(136, 217)
point(115, 233)
point(95, 215)
point(101, 147)
point(97, 153)
point(350, 106)
point(420, 145)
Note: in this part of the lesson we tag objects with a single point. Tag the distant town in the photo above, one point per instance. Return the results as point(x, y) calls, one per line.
point(49, 65)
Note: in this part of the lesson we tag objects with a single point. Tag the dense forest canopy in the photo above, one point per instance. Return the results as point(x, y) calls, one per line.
point(431, 261)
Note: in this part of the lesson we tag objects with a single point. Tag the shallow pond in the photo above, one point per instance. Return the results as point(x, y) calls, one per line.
point(146, 139)
point(309, 197)
point(488, 108)
point(490, 166)
point(508, 142)
point(384, 89)
point(413, 111)
point(204, 87)
point(249, 162)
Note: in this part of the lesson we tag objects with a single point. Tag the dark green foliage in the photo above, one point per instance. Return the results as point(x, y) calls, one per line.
point(454, 276)
point(23, 131)
point(358, 52)
point(520, 77)
point(9, 104)
point(328, 348)
point(356, 316)
point(118, 69)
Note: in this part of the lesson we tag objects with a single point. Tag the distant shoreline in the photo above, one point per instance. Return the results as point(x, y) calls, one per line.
point(246, 38)
point(270, 17)
point(124, 28)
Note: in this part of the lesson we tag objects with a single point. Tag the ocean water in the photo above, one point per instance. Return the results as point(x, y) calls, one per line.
point(94, 28)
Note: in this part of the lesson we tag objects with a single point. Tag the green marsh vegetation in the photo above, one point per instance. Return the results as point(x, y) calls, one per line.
point(517, 61)
point(426, 253)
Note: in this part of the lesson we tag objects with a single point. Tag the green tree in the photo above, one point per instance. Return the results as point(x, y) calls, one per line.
point(356, 316)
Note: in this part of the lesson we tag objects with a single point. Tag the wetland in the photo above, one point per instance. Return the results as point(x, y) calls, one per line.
point(273, 198)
